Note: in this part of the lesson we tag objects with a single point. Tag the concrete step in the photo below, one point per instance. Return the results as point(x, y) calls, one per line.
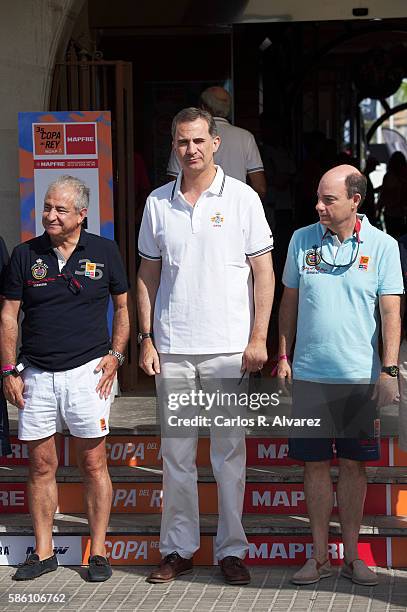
point(254, 474)
point(145, 450)
point(278, 540)
point(142, 524)
point(268, 490)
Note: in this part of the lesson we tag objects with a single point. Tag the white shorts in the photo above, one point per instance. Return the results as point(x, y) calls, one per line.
point(55, 399)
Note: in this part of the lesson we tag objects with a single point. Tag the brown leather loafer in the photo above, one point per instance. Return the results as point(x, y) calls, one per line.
point(234, 570)
point(170, 568)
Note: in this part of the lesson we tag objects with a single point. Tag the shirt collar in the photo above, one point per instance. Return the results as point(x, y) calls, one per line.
point(46, 245)
point(216, 187)
point(360, 228)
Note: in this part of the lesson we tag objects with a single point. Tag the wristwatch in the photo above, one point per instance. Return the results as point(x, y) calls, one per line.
point(392, 370)
point(119, 356)
point(142, 336)
point(10, 370)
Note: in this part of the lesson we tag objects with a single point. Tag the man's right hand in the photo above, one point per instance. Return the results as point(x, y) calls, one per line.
point(13, 387)
point(149, 360)
point(284, 373)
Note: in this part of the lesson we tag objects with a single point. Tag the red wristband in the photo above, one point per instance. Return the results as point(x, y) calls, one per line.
point(8, 367)
point(285, 357)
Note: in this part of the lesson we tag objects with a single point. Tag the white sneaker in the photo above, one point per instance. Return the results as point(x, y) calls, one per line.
point(359, 573)
point(312, 571)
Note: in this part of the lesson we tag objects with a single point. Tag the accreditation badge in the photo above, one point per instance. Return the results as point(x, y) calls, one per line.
point(90, 269)
point(363, 262)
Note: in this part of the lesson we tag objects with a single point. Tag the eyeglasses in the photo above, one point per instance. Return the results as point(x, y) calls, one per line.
point(333, 264)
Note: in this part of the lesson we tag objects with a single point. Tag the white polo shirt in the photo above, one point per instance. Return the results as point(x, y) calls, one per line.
point(238, 153)
point(204, 302)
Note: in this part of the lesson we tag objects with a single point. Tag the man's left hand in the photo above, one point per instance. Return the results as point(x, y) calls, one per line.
point(387, 389)
point(254, 356)
point(109, 365)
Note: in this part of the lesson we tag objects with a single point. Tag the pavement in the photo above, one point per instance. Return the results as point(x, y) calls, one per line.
point(202, 591)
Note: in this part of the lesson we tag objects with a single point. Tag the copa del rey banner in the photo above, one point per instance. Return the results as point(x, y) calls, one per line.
point(75, 143)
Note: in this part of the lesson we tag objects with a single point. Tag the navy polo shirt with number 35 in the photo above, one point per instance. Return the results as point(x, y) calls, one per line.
point(65, 312)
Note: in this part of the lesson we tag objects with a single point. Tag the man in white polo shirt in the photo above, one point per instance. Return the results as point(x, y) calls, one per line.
point(238, 154)
point(205, 290)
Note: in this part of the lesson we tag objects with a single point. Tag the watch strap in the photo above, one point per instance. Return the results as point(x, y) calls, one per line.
point(119, 356)
point(392, 370)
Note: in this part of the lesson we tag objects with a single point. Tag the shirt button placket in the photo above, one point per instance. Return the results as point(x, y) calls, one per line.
point(196, 218)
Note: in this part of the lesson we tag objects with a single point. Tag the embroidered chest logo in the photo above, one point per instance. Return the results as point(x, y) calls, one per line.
point(364, 262)
point(39, 270)
point(312, 257)
point(217, 220)
point(90, 269)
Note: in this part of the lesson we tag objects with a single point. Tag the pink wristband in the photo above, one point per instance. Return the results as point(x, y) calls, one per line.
point(283, 357)
point(8, 367)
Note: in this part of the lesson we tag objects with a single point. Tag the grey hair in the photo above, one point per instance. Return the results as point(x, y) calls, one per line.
point(356, 183)
point(216, 106)
point(81, 190)
point(186, 115)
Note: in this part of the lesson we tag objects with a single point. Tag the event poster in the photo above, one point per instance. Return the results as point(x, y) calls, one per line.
point(77, 143)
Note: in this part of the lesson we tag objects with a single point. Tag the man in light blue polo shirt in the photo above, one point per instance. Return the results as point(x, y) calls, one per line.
point(342, 278)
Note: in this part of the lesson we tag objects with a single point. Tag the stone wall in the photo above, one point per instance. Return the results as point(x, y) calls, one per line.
point(33, 34)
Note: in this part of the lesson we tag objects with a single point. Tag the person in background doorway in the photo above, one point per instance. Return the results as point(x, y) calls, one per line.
point(369, 207)
point(238, 154)
point(280, 169)
point(393, 195)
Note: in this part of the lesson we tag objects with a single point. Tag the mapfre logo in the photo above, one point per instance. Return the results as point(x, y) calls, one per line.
point(275, 499)
point(272, 451)
point(80, 138)
point(18, 455)
point(290, 550)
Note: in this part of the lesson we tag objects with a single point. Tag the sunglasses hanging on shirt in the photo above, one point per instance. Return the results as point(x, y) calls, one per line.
point(73, 285)
point(353, 258)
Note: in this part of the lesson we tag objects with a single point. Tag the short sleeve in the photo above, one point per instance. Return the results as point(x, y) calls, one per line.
point(291, 274)
point(118, 282)
point(254, 162)
point(4, 259)
point(147, 243)
point(258, 236)
point(173, 168)
point(14, 276)
point(390, 278)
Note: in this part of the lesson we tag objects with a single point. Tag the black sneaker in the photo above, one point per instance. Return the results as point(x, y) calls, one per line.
point(99, 569)
point(33, 567)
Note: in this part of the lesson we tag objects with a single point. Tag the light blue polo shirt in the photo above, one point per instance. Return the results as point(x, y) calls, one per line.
point(338, 308)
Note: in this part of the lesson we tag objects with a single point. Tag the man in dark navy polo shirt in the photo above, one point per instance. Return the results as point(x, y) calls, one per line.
point(64, 373)
point(5, 448)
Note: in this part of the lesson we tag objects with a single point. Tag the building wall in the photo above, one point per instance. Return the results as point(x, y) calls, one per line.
point(33, 33)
